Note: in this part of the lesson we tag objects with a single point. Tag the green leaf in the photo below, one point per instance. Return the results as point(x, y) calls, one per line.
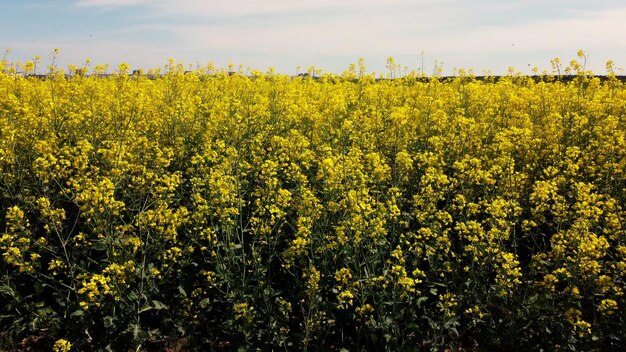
point(108, 321)
point(77, 313)
point(205, 303)
point(39, 287)
point(159, 305)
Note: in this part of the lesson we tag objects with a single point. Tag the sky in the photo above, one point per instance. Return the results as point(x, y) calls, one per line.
point(293, 35)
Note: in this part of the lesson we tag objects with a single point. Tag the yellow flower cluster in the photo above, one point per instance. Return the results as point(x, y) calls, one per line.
point(62, 345)
point(447, 304)
point(312, 277)
point(121, 273)
point(345, 299)
point(244, 312)
point(15, 243)
point(96, 286)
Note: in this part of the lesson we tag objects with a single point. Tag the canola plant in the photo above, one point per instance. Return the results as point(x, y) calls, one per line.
point(215, 211)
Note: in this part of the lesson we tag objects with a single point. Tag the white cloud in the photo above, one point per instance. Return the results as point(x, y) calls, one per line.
point(594, 30)
point(384, 32)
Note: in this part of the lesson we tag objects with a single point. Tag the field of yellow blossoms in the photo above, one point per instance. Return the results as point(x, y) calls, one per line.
point(217, 210)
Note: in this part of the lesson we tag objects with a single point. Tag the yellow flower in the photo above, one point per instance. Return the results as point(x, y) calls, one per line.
point(345, 299)
point(312, 276)
point(365, 310)
point(343, 276)
point(244, 311)
point(62, 345)
point(447, 303)
point(475, 312)
point(607, 306)
point(583, 328)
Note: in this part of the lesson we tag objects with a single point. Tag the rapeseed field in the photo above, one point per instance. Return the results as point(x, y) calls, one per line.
point(217, 210)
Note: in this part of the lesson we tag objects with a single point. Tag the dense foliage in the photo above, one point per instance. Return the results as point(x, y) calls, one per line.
point(220, 211)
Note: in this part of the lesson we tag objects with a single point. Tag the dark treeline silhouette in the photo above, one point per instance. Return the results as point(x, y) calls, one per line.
point(536, 78)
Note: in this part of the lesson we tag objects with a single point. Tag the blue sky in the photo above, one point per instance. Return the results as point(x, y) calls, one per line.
point(329, 34)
